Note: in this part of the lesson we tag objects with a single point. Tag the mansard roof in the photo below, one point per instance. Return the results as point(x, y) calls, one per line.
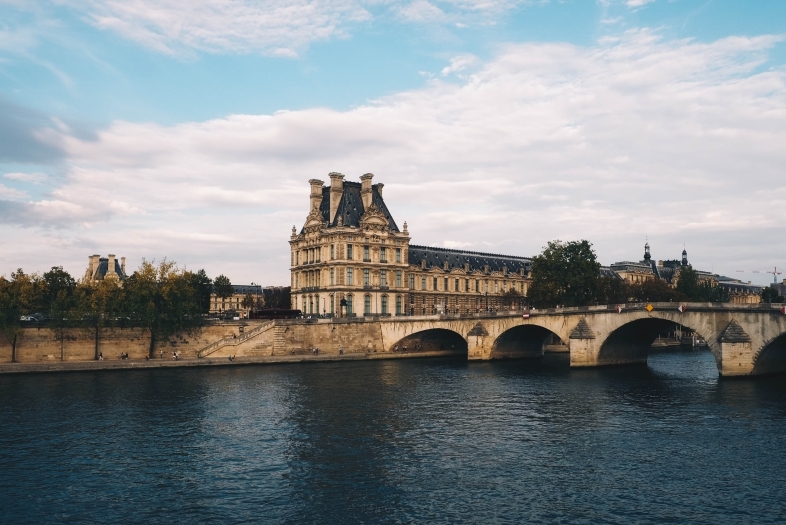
point(350, 207)
point(103, 268)
point(436, 257)
point(245, 289)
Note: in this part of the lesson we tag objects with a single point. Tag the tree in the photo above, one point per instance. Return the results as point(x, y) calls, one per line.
point(688, 283)
point(770, 295)
point(60, 300)
point(655, 290)
point(223, 286)
point(21, 295)
point(98, 306)
point(162, 300)
point(204, 289)
point(566, 273)
point(248, 301)
point(277, 297)
point(712, 292)
point(612, 290)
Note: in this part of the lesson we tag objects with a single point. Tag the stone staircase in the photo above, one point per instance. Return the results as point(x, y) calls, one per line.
point(234, 341)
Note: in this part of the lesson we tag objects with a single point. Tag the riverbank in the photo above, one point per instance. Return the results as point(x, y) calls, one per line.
point(136, 364)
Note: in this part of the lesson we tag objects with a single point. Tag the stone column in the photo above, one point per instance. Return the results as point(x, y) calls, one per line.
point(583, 346)
point(479, 343)
point(736, 351)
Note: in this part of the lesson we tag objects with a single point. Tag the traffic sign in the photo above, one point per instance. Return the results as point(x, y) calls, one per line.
point(525, 315)
point(783, 309)
point(681, 308)
point(650, 307)
point(619, 309)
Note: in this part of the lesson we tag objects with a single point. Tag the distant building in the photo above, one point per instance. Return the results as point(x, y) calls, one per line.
point(100, 268)
point(234, 302)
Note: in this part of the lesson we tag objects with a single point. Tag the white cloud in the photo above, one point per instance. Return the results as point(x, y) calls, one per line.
point(420, 11)
point(459, 63)
point(11, 193)
point(638, 3)
point(678, 140)
point(35, 178)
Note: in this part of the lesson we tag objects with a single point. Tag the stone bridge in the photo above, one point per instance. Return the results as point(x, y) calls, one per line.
point(745, 339)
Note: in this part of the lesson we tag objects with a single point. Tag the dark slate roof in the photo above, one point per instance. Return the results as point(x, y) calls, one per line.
point(103, 267)
point(244, 289)
point(436, 257)
point(351, 208)
point(605, 271)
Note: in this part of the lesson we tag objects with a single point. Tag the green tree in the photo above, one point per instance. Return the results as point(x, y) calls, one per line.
point(162, 300)
point(204, 289)
point(688, 283)
point(770, 295)
point(712, 292)
point(20, 295)
point(223, 286)
point(612, 290)
point(655, 290)
point(98, 306)
point(248, 301)
point(60, 301)
point(565, 273)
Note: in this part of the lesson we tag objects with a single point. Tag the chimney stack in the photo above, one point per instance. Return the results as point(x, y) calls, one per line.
point(94, 261)
point(316, 194)
point(365, 189)
point(123, 265)
point(110, 267)
point(336, 191)
point(379, 188)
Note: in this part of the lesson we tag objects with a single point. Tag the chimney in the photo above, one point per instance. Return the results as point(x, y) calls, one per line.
point(336, 191)
point(110, 267)
point(123, 265)
point(94, 261)
point(365, 189)
point(379, 188)
point(316, 194)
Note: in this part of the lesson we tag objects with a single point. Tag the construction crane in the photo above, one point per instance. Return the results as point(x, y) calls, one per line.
point(775, 273)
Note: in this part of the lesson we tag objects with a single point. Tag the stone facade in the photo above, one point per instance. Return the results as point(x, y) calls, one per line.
point(100, 268)
point(234, 302)
point(350, 258)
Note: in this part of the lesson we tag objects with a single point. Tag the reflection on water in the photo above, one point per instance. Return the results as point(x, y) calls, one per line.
point(438, 440)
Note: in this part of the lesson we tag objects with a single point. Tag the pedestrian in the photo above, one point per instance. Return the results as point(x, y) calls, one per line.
point(162, 354)
point(341, 351)
point(100, 356)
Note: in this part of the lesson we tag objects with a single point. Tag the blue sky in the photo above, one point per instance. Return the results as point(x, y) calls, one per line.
point(149, 129)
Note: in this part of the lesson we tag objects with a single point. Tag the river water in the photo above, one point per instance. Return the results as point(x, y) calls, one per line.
point(400, 441)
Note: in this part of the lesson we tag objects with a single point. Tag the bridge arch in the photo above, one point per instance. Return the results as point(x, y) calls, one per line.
point(630, 343)
point(432, 340)
point(771, 358)
point(523, 342)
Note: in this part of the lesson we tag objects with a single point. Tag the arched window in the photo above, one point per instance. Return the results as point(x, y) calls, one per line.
point(367, 304)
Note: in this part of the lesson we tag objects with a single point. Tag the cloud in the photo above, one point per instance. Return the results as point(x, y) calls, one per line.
point(637, 3)
point(459, 63)
point(678, 140)
point(420, 11)
point(23, 138)
point(35, 178)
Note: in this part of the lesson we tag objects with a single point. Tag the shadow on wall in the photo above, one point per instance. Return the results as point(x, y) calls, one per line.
point(630, 343)
point(435, 340)
point(772, 358)
point(523, 342)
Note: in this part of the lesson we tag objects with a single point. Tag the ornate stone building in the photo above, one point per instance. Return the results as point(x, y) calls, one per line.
point(351, 258)
point(100, 268)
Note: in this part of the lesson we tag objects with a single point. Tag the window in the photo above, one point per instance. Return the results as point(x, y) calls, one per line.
point(332, 251)
point(383, 277)
point(435, 283)
point(446, 284)
point(349, 252)
point(457, 285)
point(496, 287)
point(349, 276)
point(504, 286)
point(367, 304)
point(297, 280)
point(318, 251)
point(366, 257)
point(332, 276)
point(398, 278)
point(384, 304)
point(398, 305)
point(398, 254)
point(422, 282)
point(466, 285)
point(477, 285)
point(383, 254)
point(487, 286)
point(412, 281)
point(332, 306)
point(349, 304)
point(366, 277)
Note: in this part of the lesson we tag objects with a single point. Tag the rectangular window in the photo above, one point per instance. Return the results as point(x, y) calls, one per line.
point(366, 277)
point(349, 252)
point(349, 276)
point(383, 254)
point(477, 285)
point(367, 305)
point(446, 288)
point(349, 304)
point(332, 307)
point(318, 251)
point(466, 285)
point(332, 277)
point(366, 257)
point(457, 285)
point(384, 304)
point(383, 277)
point(496, 287)
point(487, 286)
point(436, 287)
point(398, 305)
point(398, 278)
point(332, 251)
point(398, 254)
point(422, 282)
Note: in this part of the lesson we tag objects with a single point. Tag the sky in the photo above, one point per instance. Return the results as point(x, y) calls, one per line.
point(188, 130)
